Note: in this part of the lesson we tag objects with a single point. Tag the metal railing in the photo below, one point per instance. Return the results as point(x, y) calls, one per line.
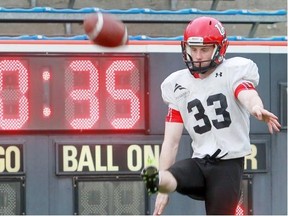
point(142, 15)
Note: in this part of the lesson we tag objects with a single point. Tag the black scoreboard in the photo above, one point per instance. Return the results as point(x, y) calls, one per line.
point(98, 92)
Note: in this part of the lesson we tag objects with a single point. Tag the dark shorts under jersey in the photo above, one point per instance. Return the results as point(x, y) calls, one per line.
point(218, 183)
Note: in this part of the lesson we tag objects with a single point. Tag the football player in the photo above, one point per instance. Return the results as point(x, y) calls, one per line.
point(213, 99)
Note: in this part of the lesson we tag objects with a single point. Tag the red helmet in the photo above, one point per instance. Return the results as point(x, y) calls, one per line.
point(202, 31)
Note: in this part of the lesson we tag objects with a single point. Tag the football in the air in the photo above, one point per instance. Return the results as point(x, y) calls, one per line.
point(105, 29)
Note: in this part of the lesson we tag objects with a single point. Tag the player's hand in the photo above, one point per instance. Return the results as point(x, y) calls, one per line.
point(268, 117)
point(161, 202)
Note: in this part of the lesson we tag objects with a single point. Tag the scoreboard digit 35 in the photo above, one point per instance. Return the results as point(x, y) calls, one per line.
point(64, 91)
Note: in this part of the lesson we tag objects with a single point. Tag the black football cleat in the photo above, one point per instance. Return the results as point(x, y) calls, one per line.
point(151, 179)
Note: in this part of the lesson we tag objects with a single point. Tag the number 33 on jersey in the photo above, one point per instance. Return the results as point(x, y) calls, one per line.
point(209, 107)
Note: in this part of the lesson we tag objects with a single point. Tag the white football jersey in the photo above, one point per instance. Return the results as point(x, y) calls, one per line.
point(211, 113)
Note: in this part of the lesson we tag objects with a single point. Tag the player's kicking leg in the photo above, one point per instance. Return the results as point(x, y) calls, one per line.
point(150, 176)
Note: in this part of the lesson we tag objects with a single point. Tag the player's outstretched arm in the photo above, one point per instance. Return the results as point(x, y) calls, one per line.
point(251, 100)
point(264, 115)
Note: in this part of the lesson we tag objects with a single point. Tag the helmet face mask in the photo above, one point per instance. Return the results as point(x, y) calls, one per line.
point(191, 64)
point(200, 32)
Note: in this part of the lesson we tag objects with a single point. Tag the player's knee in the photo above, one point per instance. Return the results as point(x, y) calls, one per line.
point(167, 182)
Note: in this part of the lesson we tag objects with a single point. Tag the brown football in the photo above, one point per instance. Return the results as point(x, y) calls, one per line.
point(105, 30)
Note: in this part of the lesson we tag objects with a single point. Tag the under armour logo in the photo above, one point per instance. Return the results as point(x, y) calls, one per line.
point(218, 74)
point(177, 86)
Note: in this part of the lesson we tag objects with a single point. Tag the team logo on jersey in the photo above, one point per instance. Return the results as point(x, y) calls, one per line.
point(218, 74)
point(178, 87)
point(180, 91)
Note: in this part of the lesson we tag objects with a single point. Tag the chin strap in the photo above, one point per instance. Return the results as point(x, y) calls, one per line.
point(201, 70)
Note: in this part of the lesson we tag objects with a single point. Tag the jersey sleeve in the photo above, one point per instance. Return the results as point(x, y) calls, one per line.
point(168, 94)
point(173, 116)
point(245, 77)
